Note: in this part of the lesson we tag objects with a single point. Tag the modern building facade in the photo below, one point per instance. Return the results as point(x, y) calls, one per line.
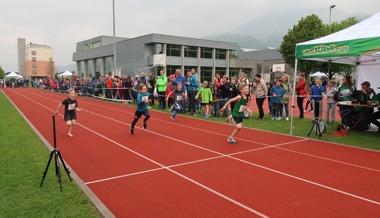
point(35, 61)
point(95, 57)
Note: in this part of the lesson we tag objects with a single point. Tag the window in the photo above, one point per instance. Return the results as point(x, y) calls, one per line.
point(191, 51)
point(171, 69)
point(34, 65)
point(220, 70)
point(85, 46)
point(206, 74)
point(220, 54)
point(34, 52)
point(157, 49)
point(206, 53)
point(95, 44)
point(34, 71)
point(34, 59)
point(173, 50)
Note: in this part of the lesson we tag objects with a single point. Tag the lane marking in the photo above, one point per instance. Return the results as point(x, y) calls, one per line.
point(161, 165)
point(234, 158)
point(242, 139)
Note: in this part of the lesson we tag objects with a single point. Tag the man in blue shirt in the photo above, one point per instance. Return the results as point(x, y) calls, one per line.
point(192, 87)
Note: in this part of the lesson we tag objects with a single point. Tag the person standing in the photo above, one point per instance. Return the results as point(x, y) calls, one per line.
point(331, 103)
point(206, 96)
point(316, 99)
point(285, 98)
point(161, 89)
point(301, 93)
point(192, 88)
point(261, 91)
point(276, 93)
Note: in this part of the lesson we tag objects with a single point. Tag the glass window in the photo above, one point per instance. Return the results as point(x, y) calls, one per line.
point(34, 52)
point(206, 74)
point(220, 70)
point(171, 69)
point(173, 50)
point(234, 72)
point(34, 59)
point(85, 46)
point(34, 65)
point(157, 49)
point(95, 44)
point(206, 53)
point(34, 71)
point(220, 54)
point(191, 51)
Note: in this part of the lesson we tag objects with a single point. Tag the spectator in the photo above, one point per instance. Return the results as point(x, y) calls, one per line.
point(276, 93)
point(301, 93)
point(206, 96)
point(161, 89)
point(285, 98)
point(192, 88)
point(331, 103)
point(316, 99)
point(261, 91)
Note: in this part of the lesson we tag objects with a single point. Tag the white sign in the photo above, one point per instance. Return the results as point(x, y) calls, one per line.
point(159, 59)
point(278, 68)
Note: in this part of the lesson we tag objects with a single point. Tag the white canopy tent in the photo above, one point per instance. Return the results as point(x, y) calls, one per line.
point(356, 45)
point(318, 74)
point(12, 75)
point(66, 73)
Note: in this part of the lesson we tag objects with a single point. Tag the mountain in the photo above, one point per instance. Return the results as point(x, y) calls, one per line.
point(70, 67)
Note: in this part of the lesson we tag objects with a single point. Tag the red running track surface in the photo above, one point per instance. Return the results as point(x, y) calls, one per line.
point(187, 169)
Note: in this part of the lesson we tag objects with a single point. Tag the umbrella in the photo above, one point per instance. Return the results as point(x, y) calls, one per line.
point(318, 74)
point(66, 73)
point(12, 75)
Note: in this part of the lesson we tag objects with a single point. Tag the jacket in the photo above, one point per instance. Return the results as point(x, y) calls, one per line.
point(279, 91)
point(206, 94)
point(161, 83)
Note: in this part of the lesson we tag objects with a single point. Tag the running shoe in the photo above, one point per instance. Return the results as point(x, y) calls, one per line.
point(232, 141)
point(173, 118)
point(132, 130)
point(228, 119)
point(287, 118)
point(145, 125)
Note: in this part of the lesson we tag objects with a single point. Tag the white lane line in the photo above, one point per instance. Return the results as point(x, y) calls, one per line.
point(242, 139)
point(161, 165)
point(244, 161)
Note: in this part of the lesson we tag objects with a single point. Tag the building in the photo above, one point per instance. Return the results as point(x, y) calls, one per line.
point(152, 52)
point(35, 61)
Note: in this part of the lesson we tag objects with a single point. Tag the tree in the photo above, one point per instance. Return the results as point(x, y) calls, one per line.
point(50, 68)
point(307, 29)
point(2, 74)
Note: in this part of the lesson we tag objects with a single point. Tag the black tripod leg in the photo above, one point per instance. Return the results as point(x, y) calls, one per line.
point(47, 167)
point(64, 166)
point(57, 170)
point(311, 129)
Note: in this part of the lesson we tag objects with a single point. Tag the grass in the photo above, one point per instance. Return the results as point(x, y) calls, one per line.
point(23, 158)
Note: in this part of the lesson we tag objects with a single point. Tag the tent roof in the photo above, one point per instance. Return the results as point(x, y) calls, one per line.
point(345, 46)
point(13, 75)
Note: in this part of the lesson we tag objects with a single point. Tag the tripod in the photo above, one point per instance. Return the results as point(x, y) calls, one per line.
point(316, 121)
point(57, 154)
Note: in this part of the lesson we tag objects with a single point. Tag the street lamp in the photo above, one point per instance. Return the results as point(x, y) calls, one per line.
point(114, 42)
point(331, 7)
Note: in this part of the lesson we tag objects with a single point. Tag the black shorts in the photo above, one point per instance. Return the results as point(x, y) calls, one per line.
point(69, 117)
point(138, 114)
point(205, 104)
point(237, 120)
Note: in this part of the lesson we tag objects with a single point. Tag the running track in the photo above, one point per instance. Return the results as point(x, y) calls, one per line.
point(187, 169)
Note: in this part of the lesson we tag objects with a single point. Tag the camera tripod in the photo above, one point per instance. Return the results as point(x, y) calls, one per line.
point(317, 128)
point(57, 155)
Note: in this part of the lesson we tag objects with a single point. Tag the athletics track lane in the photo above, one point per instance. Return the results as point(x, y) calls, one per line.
point(59, 97)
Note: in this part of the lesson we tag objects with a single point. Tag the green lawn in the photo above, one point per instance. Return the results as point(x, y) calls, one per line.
point(23, 158)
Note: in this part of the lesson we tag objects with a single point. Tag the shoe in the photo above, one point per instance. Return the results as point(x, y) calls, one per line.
point(145, 125)
point(149, 107)
point(259, 118)
point(287, 119)
point(228, 119)
point(272, 118)
point(232, 141)
point(304, 110)
point(311, 111)
point(300, 118)
point(278, 118)
point(132, 130)
point(327, 122)
point(173, 118)
point(206, 117)
point(194, 114)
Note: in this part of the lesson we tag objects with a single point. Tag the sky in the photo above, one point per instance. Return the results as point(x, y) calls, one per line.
point(61, 24)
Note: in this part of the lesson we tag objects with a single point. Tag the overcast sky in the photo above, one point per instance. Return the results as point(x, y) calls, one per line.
point(61, 24)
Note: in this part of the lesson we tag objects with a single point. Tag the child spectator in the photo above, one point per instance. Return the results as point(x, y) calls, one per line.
point(308, 91)
point(71, 106)
point(206, 96)
point(142, 107)
point(316, 98)
point(237, 111)
point(331, 89)
point(179, 94)
point(216, 100)
point(276, 93)
point(170, 87)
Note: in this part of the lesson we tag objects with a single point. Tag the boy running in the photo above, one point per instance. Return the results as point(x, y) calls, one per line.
point(178, 96)
point(71, 106)
point(241, 102)
point(142, 107)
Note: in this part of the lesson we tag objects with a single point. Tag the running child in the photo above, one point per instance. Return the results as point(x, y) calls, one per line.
point(241, 102)
point(71, 106)
point(142, 107)
point(178, 96)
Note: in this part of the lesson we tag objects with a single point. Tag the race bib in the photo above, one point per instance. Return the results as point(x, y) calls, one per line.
point(179, 98)
point(242, 108)
point(145, 98)
point(71, 106)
